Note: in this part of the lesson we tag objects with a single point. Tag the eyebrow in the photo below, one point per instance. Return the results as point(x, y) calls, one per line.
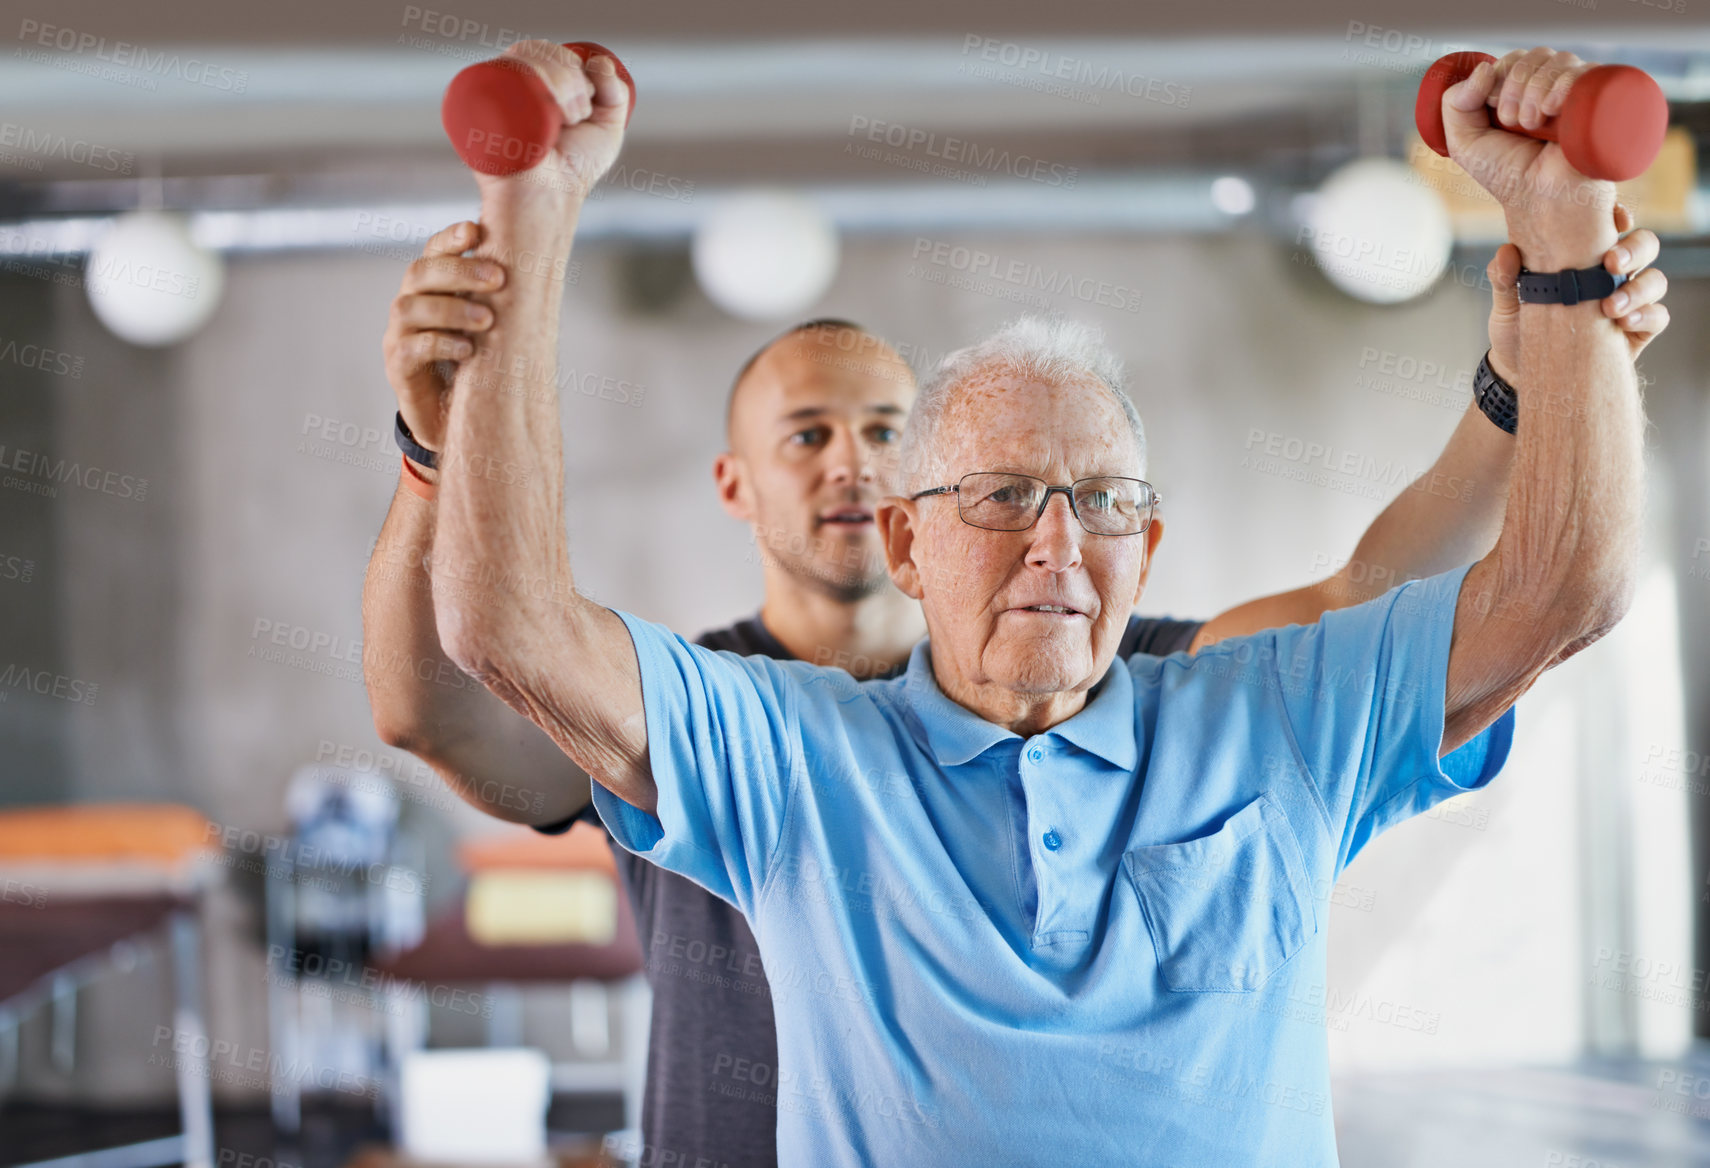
point(807, 412)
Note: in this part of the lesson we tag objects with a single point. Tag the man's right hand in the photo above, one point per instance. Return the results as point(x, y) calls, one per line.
point(432, 325)
point(595, 103)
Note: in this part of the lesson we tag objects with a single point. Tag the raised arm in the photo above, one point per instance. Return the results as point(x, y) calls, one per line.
point(1562, 572)
point(561, 660)
point(490, 755)
point(1424, 531)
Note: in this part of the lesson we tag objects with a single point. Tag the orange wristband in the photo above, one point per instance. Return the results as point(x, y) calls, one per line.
point(412, 478)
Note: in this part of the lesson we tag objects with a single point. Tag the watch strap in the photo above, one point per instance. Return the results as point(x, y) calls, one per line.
point(1568, 287)
point(1495, 396)
point(412, 449)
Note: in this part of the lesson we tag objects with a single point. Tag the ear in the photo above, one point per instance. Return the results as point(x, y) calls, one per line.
point(1154, 534)
point(896, 517)
point(730, 476)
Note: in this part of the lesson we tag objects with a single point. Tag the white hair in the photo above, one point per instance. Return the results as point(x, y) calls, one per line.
point(1053, 350)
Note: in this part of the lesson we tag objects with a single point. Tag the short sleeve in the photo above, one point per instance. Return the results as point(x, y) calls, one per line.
point(722, 741)
point(587, 814)
point(1364, 691)
point(1157, 636)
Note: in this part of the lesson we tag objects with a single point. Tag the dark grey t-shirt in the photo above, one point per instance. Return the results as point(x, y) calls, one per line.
point(712, 1055)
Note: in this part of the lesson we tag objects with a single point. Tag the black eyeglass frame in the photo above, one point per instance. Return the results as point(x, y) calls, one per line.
point(1044, 501)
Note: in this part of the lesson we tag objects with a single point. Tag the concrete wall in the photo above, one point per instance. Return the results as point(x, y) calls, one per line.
point(1471, 925)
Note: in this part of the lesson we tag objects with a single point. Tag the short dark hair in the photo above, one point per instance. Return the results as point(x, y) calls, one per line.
point(827, 323)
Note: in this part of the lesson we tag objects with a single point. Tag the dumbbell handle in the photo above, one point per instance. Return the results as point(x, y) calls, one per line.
point(502, 118)
point(1610, 127)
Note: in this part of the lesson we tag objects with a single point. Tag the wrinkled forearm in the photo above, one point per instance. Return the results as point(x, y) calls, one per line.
point(1570, 539)
point(501, 515)
point(402, 658)
point(490, 756)
point(1562, 572)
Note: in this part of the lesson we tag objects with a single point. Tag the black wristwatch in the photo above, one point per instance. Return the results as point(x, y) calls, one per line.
point(1495, 396)
point(1569, 287)
point(413, 450)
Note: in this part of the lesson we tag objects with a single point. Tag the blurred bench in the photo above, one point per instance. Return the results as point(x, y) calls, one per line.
point(79, 885)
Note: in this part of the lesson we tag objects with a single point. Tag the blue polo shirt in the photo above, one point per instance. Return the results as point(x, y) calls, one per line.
point(1104, 943)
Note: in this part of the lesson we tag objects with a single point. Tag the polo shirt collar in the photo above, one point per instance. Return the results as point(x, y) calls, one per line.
point(956, 735)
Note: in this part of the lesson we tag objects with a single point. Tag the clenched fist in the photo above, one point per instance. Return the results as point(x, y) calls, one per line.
point(595, 104)
point(1557, 217)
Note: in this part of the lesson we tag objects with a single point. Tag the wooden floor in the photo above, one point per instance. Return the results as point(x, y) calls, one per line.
point(1606, 1113)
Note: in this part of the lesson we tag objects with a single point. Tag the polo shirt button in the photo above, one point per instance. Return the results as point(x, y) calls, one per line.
point(1052, 840)
point(1036, 754)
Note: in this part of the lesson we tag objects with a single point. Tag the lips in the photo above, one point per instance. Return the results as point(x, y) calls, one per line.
point(1049, 609)
point(851, 516)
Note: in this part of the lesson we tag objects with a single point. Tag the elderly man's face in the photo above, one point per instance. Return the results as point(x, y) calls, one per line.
point(984, 592)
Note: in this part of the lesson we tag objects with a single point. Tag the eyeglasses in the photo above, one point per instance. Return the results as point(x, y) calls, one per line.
point(998, 501)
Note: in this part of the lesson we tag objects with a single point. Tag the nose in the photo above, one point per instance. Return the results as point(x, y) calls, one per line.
point(847, 460)
point(1056, 545)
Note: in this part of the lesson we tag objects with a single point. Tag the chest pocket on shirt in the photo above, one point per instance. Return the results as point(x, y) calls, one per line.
point(1227, 909)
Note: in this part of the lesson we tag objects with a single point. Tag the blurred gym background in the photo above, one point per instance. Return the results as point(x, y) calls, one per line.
point(224, 897)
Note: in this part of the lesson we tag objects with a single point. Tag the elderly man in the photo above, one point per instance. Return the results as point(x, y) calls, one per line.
point(1024, 903)
point(813, 416)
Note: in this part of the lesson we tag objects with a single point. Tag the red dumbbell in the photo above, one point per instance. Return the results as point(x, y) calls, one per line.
point(1610, 127)
point(500, 116)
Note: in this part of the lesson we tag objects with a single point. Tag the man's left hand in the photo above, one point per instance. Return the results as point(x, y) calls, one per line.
point(1636, 305)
